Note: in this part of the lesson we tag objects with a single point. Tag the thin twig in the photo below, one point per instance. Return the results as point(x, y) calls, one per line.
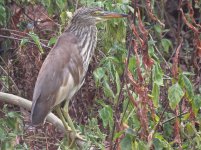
point(14, 34)
point(11, 30)
point(20, 33)
point(174, 117)
point(10, 78)
point(160, 119)
point(14, 38)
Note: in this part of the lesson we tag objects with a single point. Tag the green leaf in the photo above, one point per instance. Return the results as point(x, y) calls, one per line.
point(2, 15)
point(196, 103)
point(134, 121)
point(197, 100)
point(7, 145)
point(157, 74)
point(175, 94)
point(61, 4)
point(37, 41)
point(106, 114)
point(50, 6)
point(5, 81)
point(10, 128)
point(152, 52)
point(188, 86)
point(23, 42)
point(155, 94)
point(168, 129)
point(117, 83)
point(160, 143)
point(64, 17)
point(111, 70)
point(166, 44)
point(11, 123)
point(126, 143)
point(12, 114)
point(52, 41)
point(132, 63)
point(130, 8)
point(107, 90)
point(117, 135)
point(130, 132)
point(158, 28)
point(99, 73)
point(2, 134)
point(156, 118)
point(185, 117)
point(142, 146)
point(190, 130)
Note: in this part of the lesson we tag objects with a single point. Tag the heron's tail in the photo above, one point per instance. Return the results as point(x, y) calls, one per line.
point(39, 113)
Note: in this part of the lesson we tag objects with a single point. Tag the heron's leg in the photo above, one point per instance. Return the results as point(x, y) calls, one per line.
point(68, 129)
point(60, 114)
point(67, 117)
point(70, 122)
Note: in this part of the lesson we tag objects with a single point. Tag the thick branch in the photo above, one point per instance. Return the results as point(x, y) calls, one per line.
point(21, 102)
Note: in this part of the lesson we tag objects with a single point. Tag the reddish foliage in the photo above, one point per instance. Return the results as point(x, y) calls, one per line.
point(137, 62)
point(177, 138)
point(146, 59)
point(191, 24)
point(140, 47)
point(175, 62)
point(192, 115)
point(198, 51)
point(150, 13)
point(194, 27)
point(140, 104)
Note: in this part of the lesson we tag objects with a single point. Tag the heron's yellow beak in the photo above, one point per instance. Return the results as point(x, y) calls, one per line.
point(108, 15)
point(105, 15)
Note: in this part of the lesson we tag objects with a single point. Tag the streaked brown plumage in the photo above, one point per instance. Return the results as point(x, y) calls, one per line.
point(64, 69)
point(54, 75)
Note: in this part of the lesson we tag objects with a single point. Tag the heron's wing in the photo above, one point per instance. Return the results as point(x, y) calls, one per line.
point(58, 78)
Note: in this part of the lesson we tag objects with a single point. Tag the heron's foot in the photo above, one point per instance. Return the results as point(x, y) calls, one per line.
point(79, 136)
point(73, 136)
point(76, 135)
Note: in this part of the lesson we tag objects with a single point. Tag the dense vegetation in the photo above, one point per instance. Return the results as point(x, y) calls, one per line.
point(143, 86)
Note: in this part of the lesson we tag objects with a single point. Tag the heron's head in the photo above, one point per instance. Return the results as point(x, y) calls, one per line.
point(93, 15)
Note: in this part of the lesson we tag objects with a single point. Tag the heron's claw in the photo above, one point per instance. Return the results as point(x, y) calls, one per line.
point(73, 137)
point(79, 136)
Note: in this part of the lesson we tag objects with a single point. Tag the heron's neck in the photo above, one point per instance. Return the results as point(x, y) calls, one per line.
point(87, 38)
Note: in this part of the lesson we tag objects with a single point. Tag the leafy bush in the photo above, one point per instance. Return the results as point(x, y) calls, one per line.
point(11, 130)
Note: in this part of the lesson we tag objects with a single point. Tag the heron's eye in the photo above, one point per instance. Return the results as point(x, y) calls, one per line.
point(96, 13)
